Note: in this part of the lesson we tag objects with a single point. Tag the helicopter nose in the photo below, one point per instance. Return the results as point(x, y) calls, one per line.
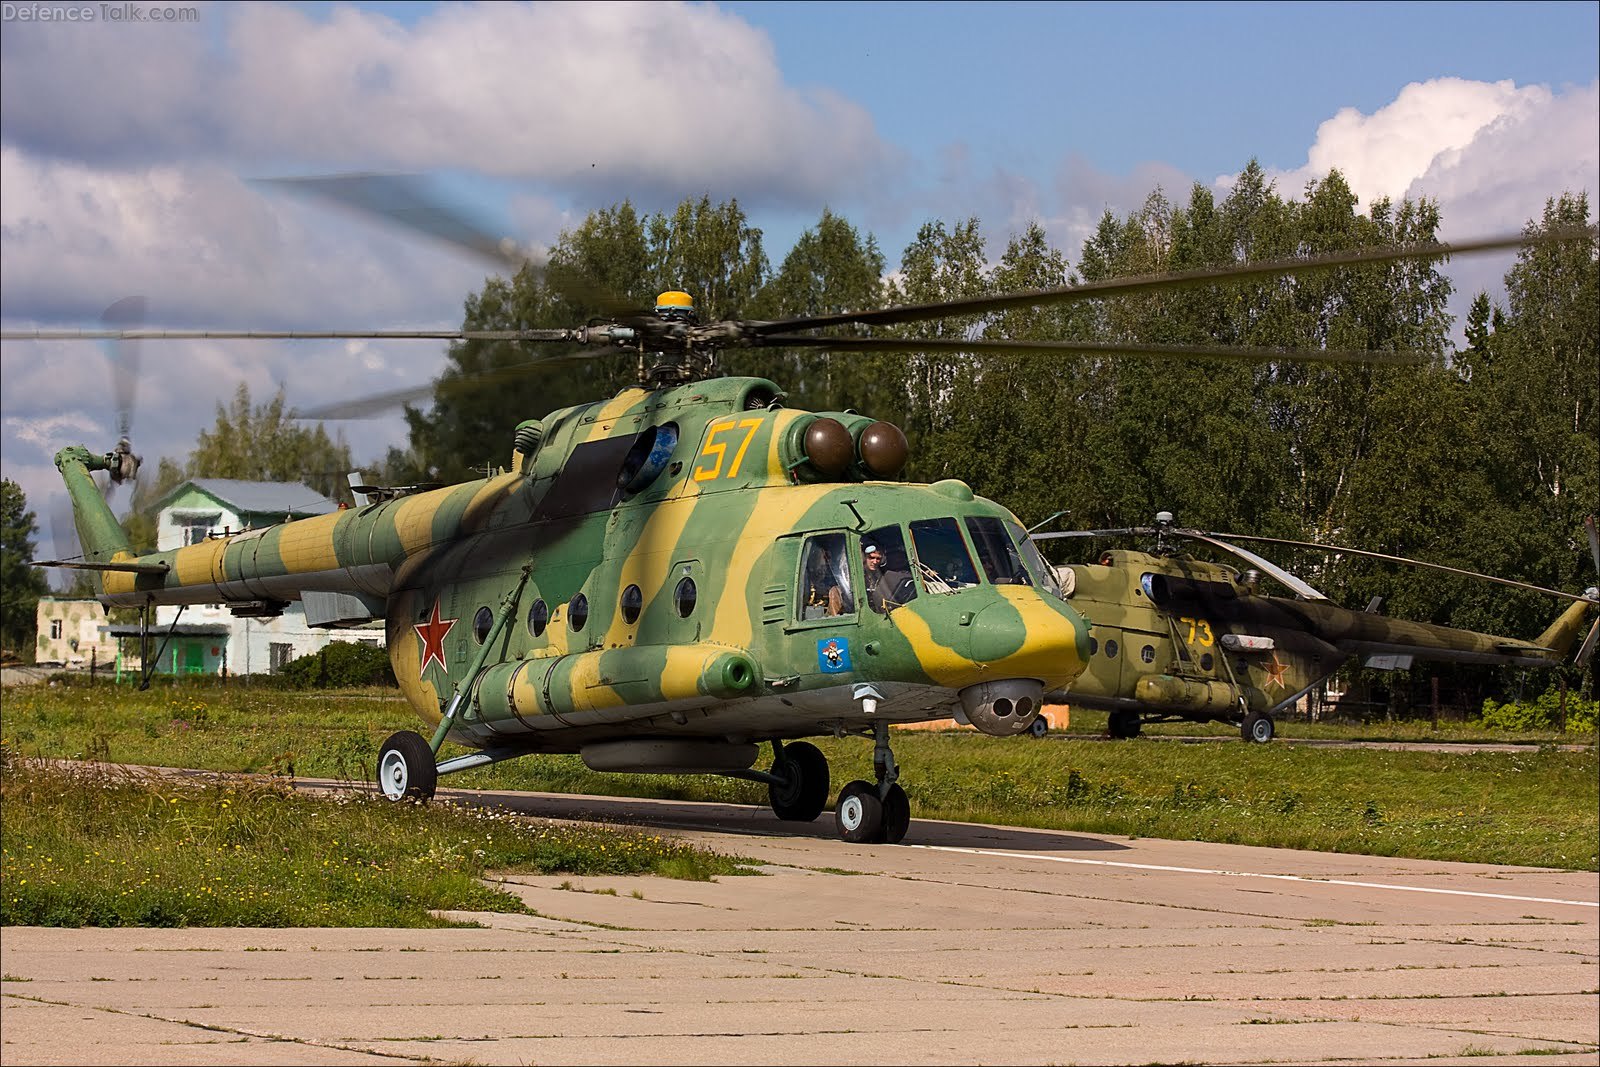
point(1025, 636)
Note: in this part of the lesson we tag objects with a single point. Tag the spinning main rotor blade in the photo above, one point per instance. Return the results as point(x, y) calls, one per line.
point(781, 332)
point(288, 335)
point(406, 201)
point(1404, 560)
point(402, 199)
point(368, 407)
point(1091, 348)
point(979, 305)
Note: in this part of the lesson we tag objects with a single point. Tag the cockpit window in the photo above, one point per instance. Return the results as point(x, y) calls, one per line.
point(996, 552)
point(825, 578)
point(1037, 565)
point(942, 556)
point(887, 569)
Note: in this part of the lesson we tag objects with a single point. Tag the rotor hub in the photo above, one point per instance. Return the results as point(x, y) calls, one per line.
point(676, 306)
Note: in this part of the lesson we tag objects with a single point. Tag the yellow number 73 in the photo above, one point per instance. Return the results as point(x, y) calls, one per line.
point(715, 452)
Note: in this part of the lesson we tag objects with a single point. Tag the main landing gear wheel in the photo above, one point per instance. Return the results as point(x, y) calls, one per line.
point(805, 790)
point(406, 770)
point(1257, 727)
point(1040, 726)
point(859, 814)
point(896, 816)
point(1123, 724)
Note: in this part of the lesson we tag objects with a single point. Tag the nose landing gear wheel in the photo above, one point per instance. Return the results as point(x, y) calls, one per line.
point(406, 770)
point(1257, 727)
point(1039, 727)
point(805, 792)
point(859, 813)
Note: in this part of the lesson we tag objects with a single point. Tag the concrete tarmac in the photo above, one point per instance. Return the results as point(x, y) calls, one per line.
point(966, 944)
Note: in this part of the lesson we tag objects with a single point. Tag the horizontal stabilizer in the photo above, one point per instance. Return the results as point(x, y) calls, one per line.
point(126, 568)
point(1523, 648)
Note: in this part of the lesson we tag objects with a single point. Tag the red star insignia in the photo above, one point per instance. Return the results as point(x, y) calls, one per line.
point(1275, 672)
point(433, 633)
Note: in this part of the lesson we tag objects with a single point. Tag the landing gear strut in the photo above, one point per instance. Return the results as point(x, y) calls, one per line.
point(875, 814)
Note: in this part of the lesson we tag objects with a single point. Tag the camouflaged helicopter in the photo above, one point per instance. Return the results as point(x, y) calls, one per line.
point(1175, 638)
point(666, 579)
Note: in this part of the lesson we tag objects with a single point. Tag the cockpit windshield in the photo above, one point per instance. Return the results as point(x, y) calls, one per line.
point(996, 552)
point(886, 569)
point(1038, 566)
point(942, 557)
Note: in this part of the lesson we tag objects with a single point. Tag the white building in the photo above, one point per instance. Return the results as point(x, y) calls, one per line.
point(72, 633)
point(209, 638)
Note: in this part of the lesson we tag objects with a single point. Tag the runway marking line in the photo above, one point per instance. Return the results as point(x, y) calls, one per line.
point(1259, 874)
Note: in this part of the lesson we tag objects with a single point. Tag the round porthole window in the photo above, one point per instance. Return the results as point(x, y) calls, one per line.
point(481, 622)
point(684, 597)
point(538, 617)
point(1148, 654)
point(577, 612)
point(1094, 645)
point(632, 604)
point(1111, 650)
point(1206, 661)
point(648, 457)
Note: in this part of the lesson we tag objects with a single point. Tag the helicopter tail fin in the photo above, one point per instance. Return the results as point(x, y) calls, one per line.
point(101, 535)
point(1562, 634)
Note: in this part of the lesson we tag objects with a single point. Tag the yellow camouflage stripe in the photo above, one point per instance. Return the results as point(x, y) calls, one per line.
point(307, 546)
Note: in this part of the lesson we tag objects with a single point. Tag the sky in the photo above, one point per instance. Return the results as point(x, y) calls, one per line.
point(129, 150)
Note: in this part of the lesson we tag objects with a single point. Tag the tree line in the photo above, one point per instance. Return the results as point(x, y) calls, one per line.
point(1483, 457)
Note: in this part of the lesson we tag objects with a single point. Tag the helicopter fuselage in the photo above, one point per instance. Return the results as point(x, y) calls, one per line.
point(1173, 637)
point(647, 568)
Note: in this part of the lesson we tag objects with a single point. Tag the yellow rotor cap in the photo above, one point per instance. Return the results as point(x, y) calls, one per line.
point(675, 301)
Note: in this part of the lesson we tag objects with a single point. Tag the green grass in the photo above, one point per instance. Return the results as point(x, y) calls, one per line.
point(1536, 808)
point(90, 845)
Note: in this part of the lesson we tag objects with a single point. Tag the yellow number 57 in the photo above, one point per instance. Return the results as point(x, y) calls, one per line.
point(715, 451)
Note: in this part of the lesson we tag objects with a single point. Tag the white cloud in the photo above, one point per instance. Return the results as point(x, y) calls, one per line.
point(663, 96)
point(1502, 177)
point(1381, 154)
point(1491, 154)
point(122, 158)
point(207, 248)
point(46, 431)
